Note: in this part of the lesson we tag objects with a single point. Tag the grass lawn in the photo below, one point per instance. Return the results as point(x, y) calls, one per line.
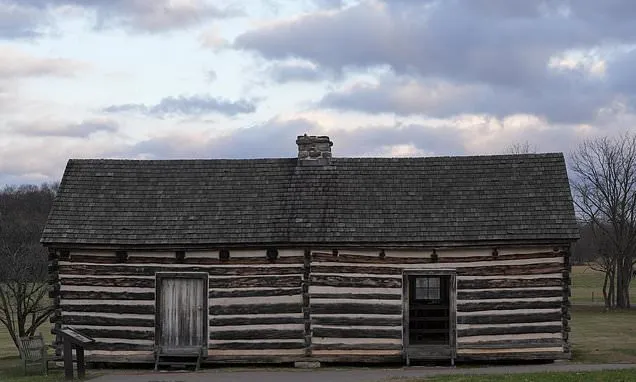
point(8, 349)
point(594, 376)
point(603, 337)
point(599, 336)
point(11, 370)
point(587, 286)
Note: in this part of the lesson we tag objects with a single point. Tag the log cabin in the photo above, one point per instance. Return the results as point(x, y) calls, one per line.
point(315, 258)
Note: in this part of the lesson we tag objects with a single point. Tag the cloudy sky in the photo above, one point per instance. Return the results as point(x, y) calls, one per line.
point(242, 78)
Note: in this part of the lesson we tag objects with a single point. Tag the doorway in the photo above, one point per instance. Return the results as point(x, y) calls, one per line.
point(429, 315)
point(181, 315)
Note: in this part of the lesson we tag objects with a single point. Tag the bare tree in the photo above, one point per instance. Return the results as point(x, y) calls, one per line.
point(24, 302)
point(586, 249)
point(604, 186)
point(520, 148)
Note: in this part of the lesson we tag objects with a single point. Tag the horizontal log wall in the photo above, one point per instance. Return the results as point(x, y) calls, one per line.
point(356, 311)
point(516, 314)
point(344, 307)
point(255, 305)
point(54, 285)
point(256, 309)
point(508, 305)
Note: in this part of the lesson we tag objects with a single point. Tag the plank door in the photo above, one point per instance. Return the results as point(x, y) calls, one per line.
point(182, 311)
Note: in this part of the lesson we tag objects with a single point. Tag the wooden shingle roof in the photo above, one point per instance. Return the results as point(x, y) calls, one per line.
point(400, 201)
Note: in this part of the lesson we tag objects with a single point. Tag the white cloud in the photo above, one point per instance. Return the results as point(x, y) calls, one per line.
point(7, 99)
point(195, 105)
point(18, 21)
point(33, 18)
point(402, 150)
point(16, 63)
point(211, 38)
point(297, 71)
point(495, 57)
point(387, 78)
point(41, 159)
point(49, 128)
point(587, 63)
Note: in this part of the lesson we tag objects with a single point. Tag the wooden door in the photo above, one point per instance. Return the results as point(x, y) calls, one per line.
point(182, 311)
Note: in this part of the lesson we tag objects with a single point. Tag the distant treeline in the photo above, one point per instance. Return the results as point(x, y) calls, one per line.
point(23, 213)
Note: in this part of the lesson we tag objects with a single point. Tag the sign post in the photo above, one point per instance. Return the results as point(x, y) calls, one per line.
point(72, 339)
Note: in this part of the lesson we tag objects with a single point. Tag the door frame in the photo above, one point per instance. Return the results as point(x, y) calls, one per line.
point(452, 309)
point(159, 277)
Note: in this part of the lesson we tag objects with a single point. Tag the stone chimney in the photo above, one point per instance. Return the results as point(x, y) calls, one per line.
point(313, 150)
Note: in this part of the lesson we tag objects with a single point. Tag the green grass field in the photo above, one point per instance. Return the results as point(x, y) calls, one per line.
point(11, 371)
point(595, 376)
point(10, 367)
point(587, 286)
point(603, 337)
point(599, 336)
point(8, 349)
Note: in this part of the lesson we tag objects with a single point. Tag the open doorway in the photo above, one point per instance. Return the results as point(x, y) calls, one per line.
point(429, 315)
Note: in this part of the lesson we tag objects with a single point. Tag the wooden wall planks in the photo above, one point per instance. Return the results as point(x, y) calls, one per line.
point(524, 288)
point(320, 305)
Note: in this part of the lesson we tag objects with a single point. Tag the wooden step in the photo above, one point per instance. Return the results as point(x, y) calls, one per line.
point(178, 360)
point(178, 365)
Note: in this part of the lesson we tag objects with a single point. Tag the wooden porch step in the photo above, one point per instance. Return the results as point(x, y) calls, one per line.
point(177, 365)
point(178, 359)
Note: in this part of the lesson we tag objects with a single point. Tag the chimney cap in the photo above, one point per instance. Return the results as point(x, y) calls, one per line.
point(308, 139)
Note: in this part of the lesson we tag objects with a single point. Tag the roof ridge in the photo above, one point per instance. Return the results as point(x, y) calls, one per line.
point(397, 158)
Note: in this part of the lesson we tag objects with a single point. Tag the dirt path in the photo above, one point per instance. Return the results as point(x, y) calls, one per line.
point(343, 375)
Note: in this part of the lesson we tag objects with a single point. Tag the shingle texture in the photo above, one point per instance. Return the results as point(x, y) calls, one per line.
point(407, 201)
